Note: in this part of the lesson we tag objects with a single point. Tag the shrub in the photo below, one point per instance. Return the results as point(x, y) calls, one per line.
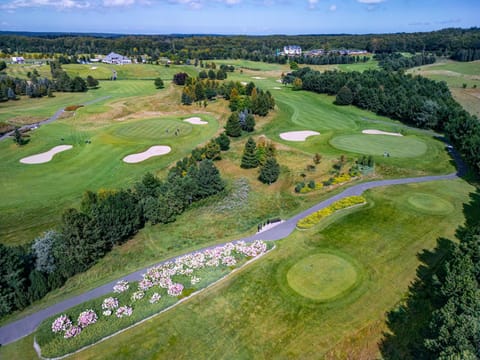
point(72, 107)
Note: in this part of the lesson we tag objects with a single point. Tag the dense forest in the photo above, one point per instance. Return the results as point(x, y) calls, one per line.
point(446, 42)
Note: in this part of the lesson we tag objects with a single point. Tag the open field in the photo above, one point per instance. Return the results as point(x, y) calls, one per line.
point(456, 74)
point(256, 313)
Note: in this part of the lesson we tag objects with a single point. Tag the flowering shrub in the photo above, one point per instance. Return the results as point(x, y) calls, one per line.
point(341, 179)
point(124, 311)
point(137, 295)
point(175, 289)
point(121, 286)
point(155, 298)
point(86, 318)
point(72, 331)
point(61, 323)
point(313, 219)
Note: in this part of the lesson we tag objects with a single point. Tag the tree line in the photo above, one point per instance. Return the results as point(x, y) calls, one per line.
point(413, 100)
point(106, 218)
point(35, 86)
point(396, 61)
point(261, 48)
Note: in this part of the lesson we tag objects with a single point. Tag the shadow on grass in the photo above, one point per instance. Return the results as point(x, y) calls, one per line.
point(408, 323)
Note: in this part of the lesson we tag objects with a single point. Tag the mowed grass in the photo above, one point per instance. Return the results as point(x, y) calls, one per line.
point(457, 74)
point(322, 276)
point(256, 314)
point(34, 196)
point(377, 145)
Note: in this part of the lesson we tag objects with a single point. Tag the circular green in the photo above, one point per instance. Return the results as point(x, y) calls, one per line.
point(153, 129)
point(322, 276)
point(430, 204)
point(395, 146)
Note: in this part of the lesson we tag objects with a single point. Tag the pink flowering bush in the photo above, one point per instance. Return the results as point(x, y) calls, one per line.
point(72, 331)
point(109, 304)
point(86, 318)
point(175, 289)
point(61, 323)
point(124, 311)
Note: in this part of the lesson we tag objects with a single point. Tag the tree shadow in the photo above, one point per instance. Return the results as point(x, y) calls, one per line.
point(408, 323)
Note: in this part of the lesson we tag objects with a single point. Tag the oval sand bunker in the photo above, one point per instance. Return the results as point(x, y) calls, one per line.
point(45, 156)
point(380, 132)
point(153, 151)
point(298, 135)
point(196, 121)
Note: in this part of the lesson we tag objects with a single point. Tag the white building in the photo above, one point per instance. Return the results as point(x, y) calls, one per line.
point(292, 50)
point(116, 59)
point(18, 60)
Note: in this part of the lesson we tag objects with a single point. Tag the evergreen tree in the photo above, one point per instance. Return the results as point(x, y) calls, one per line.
point(270, 171)
point(249, 158)
point(17, 137)
point(223, 141)
point(159, 83)
point(344, 96)
point(233, 128)
point(208, 179)
point(249, 123)
point(92, 82)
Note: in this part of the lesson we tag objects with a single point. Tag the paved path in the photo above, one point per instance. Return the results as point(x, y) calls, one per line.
point(49, 120)
point(27, 325)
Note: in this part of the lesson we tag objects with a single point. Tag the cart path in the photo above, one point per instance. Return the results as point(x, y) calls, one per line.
point(50, 119)
point(23, 327)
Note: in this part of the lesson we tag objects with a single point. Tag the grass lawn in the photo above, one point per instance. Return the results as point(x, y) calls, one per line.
point(54, 186)
point(376, 145)
point(257, 314)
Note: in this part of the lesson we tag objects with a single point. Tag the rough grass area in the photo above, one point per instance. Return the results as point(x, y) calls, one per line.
point(322, 276)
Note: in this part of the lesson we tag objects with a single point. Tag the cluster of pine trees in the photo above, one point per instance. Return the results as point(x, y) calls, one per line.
point(396, 61)
point(413, 100)
point(105, 219)
point(261, 155)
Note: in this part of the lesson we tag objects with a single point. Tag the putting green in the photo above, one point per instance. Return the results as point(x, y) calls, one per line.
point(430, 204)
point(396, 146)
point(322, 276)
point(153, 129)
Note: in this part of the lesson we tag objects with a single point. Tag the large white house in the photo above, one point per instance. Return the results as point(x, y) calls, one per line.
point(291, 50)
point(114, 58)
point(18, 60)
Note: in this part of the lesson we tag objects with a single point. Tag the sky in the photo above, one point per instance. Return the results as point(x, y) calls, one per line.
point(249, 17)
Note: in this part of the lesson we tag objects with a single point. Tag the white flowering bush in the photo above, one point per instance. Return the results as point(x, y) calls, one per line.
point(138, 295)
point(124, 311)
point(155, 298)
point(121, 286)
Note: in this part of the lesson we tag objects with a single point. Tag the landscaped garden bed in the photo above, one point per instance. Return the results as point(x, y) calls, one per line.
point(130, 303)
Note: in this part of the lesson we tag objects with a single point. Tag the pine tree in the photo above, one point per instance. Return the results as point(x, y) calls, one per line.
point(249, 123)
point(344, 96)
point(208, 179)
point(223, 141)
point(270, 171)
point(233, 128)
point(249, 158)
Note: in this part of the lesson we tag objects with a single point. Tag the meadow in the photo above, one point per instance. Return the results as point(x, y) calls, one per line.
point(260, 312)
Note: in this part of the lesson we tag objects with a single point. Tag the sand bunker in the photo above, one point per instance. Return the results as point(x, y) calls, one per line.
point(45, 156)
point(258, 78)
point(379, 132)
point(277, 88)
point(243, 83)
point(298, 135)
point(93, 68)
point(196, 121)
point(279, 81)
point(153, 151)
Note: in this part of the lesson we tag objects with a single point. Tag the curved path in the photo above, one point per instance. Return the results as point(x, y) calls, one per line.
point(27, 325)
point(50, 119)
